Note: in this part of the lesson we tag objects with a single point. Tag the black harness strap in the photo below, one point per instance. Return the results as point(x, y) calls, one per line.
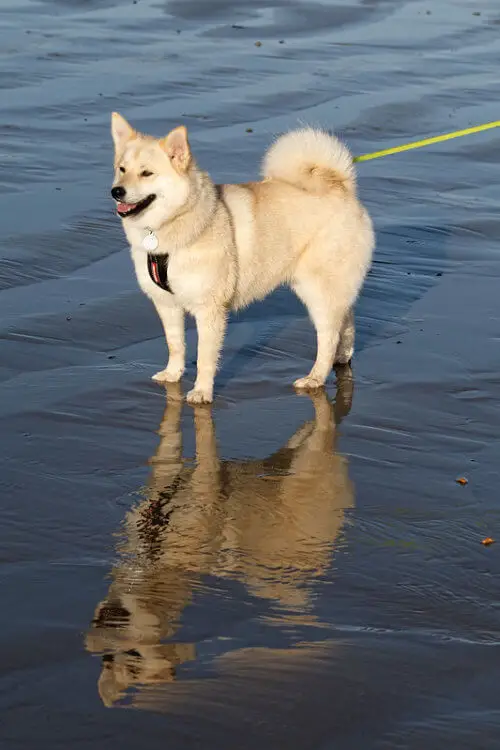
point(158, 271)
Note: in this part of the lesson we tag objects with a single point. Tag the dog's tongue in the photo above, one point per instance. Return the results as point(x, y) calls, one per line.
point(123, 208)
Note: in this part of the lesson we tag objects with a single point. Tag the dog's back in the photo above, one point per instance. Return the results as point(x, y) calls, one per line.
point(305, 204)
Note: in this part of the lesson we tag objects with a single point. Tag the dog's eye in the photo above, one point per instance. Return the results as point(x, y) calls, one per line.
point(122, 170)
point(146, 173)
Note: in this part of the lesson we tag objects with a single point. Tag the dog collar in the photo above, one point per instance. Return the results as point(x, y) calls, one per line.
point(158, 271)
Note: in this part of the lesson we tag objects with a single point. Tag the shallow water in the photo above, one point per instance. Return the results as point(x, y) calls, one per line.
point(280, 571)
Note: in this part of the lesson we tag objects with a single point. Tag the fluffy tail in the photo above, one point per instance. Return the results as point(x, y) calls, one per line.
point(312, 160)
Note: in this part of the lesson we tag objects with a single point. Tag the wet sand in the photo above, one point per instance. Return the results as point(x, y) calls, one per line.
point(279, 571)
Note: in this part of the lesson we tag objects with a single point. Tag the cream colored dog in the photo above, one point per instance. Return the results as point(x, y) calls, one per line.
point(204, 249)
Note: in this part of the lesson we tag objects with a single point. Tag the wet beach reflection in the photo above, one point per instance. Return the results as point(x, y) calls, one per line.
point(271, 525)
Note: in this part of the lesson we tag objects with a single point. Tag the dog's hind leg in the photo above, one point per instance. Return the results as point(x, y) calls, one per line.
point(345, 347)
point(328, 315)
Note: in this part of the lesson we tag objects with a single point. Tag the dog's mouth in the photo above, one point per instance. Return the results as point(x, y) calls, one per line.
point(132, 209)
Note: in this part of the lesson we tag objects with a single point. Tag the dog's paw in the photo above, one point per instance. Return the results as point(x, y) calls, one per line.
point(197, 396)
point(168, 375)
point(308, 383)
point(344, 357)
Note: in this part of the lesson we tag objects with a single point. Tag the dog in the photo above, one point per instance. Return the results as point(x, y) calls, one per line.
point(271, 524)
point(206, 249)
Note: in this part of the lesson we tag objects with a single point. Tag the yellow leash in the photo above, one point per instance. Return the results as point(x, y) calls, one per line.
point(427, 141)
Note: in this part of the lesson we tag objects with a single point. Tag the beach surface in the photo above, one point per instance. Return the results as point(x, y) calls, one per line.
point(279, 571)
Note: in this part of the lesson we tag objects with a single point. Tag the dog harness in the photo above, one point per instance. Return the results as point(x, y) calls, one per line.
point(158, 271)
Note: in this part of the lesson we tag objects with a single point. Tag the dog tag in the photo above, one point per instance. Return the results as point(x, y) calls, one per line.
point(150, 242)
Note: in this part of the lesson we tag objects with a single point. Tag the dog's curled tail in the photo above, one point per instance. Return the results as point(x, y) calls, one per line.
point(312, 160)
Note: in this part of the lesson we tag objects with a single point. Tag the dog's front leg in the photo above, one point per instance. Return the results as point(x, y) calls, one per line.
point(172, 318)
point(211, 325)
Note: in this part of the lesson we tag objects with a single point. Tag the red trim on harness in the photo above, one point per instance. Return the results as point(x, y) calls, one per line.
point(156, 275)
point(158, 271)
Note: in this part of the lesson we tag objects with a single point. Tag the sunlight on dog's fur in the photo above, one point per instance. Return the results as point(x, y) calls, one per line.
point(205, 249)
point(270, 524)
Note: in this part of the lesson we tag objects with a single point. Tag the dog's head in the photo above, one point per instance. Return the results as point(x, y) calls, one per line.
point(129, 637)
point(152, 181)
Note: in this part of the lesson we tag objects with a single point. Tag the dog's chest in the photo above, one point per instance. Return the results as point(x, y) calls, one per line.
point(171, 276)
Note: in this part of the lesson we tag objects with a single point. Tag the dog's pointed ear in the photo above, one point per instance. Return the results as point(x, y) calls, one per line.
point(176, 146)
point(121, 131)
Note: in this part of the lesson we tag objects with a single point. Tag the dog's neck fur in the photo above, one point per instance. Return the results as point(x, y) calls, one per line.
point(186, 227)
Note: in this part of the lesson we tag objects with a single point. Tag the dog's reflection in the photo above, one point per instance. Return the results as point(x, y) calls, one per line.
point(270, 524)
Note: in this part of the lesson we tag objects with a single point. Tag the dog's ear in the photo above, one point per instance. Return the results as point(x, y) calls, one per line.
point(121, 131)
point(176, 146)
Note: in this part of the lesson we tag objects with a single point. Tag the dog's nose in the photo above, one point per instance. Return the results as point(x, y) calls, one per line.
point(118, 193)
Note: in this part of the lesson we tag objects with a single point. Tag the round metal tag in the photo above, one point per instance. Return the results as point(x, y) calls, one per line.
point(150, 242)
